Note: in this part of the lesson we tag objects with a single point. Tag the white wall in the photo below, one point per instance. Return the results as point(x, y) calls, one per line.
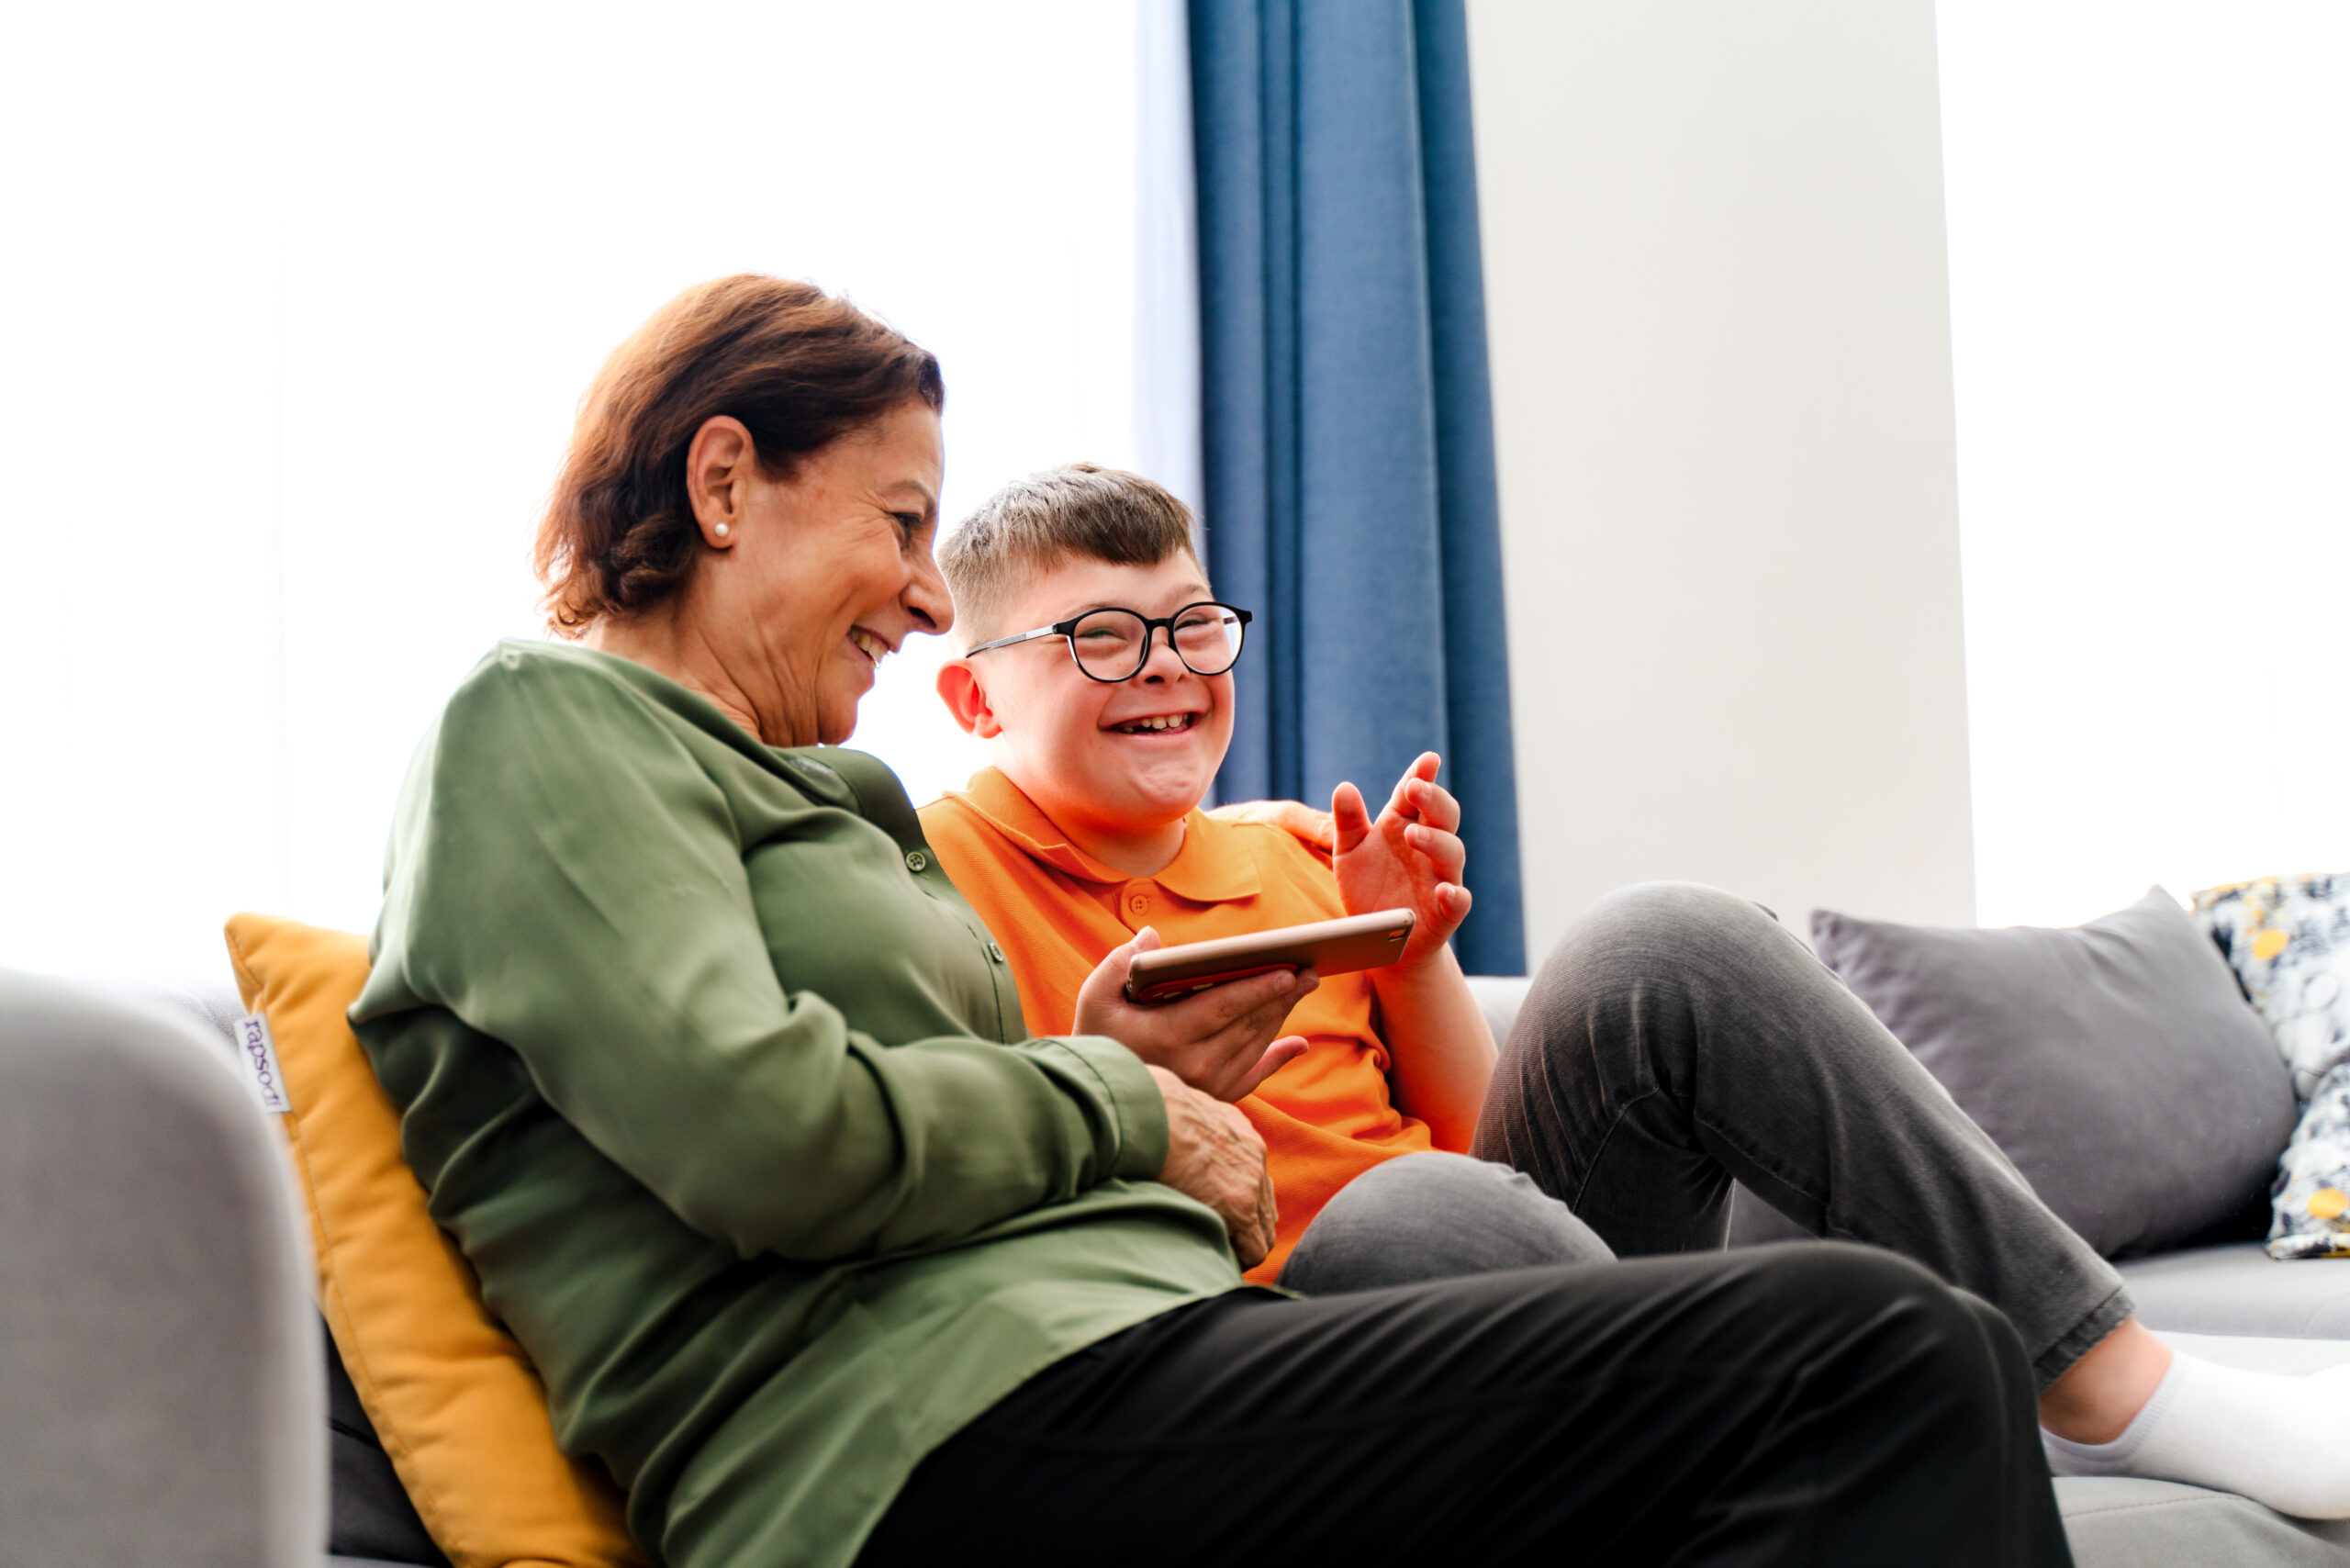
point(1717, 288)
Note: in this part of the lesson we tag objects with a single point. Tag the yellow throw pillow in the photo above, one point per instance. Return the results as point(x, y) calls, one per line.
point(456, 1405)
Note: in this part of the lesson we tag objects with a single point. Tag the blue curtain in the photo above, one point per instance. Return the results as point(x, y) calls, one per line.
point(1346, 423)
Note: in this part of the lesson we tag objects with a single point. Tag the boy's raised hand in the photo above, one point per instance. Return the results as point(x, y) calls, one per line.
point(1309, 824)
point(1221, 1041)
point(1410, 856)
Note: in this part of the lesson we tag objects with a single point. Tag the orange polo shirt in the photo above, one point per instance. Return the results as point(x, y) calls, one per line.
point(1326, 1117)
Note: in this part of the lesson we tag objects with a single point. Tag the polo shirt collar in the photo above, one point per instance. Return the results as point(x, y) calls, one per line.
point(1213, 866)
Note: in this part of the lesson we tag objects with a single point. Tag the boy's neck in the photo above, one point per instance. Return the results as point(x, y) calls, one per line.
point(1137, 852)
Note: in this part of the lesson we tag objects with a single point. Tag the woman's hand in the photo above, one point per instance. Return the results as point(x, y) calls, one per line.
point(1411, 858)
point(1221, 1041)
point(1216, 1157)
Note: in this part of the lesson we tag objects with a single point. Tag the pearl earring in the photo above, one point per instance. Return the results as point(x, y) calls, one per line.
point(721, 530)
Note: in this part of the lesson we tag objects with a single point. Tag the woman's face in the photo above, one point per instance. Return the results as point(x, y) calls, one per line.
point(821, 574)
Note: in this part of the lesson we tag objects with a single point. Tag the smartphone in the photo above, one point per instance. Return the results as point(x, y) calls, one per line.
point(1326, 947)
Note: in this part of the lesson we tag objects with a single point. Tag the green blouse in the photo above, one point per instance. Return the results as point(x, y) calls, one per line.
point(720, 1086)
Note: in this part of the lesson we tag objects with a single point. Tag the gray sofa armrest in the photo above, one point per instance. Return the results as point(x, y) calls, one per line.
point(1498, 998)
point(158, 1366)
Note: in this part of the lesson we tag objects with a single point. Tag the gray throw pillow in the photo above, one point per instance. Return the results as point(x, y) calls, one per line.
point(2117, 1063)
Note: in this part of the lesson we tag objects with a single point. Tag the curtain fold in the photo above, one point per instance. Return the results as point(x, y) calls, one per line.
point(1346, 422)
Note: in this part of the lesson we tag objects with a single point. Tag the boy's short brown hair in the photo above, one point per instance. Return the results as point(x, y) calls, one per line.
point(1077, 511)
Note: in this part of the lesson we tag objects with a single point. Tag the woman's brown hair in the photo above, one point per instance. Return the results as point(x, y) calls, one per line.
point(797, 366)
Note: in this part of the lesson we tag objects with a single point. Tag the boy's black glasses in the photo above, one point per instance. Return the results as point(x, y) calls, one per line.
point(1112, 645)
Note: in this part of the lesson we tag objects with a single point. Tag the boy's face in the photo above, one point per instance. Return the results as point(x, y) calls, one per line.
point(1072, 743)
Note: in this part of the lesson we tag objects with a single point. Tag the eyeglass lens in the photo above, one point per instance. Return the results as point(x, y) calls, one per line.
point(1110, 643)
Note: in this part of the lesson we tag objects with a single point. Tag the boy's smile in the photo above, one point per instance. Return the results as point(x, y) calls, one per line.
point(1157, 724)
point(1116, 766)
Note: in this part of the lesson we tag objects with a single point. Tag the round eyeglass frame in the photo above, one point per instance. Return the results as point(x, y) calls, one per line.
point(1066, 632)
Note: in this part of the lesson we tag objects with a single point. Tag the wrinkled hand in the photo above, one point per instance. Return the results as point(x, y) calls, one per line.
point(1221, 1041)
point(1410, 857)
point(1216, 1157)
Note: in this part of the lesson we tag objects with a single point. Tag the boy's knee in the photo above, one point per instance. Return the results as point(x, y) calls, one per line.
point(1647, 924)
point(1434, 1215)
point(1648, 945)
point(1697, 905)
point(1420, 1181)
point(1486, 1203)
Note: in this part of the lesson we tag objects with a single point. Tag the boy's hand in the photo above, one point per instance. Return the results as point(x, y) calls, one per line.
point(1295, 818)
point(1411, 858)
point(1221, 1041)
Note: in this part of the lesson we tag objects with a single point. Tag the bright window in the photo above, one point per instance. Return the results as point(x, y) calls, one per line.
point(297, 306)
point(2150, 281)
point(294, 311)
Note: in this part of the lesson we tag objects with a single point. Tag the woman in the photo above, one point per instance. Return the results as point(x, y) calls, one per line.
point(725, 1093)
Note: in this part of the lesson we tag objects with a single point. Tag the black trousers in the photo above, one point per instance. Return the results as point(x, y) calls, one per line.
point(1805, 1404)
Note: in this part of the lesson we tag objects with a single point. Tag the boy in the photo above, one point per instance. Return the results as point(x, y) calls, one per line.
point(1086, 838)
point(1097, 668)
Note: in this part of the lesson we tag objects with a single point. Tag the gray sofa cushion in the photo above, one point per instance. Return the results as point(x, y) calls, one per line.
point(1498, 998)
point(2240, 1289)
point(2117, 1522)
point(2115, 1062)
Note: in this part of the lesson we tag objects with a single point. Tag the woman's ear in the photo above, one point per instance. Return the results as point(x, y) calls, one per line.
point(966, 698)
point(720, 465)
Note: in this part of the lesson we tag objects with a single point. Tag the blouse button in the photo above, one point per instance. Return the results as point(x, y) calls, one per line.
point(916, 860)
point(1139, 903)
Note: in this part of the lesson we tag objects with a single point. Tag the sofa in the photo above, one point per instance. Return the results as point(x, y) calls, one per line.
point(167, 1402)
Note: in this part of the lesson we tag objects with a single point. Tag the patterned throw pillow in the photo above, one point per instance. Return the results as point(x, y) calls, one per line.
point(2288, 938)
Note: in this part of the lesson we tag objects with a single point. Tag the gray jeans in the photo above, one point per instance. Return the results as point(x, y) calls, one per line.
point(1678, 1038)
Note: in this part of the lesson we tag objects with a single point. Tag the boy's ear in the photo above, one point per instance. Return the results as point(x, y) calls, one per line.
point(960, 689)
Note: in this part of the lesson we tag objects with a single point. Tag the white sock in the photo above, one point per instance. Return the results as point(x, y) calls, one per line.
point(2284, 1441)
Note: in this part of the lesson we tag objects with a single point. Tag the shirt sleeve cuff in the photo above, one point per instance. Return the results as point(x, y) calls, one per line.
point(1136, 1103)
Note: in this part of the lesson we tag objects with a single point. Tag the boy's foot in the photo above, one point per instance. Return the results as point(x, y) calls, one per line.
point(2284, 1441)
